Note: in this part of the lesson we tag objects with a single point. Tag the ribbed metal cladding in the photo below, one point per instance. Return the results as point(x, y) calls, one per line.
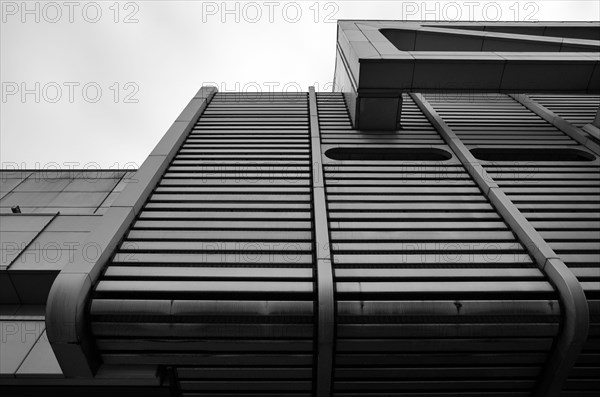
point(495, 119)
point(578, 110)
point(215, 278)
point(435, 296)
point(561, 199)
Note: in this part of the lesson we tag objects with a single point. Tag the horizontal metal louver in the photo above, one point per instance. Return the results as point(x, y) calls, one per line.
point(215, 276)
point(435, 296)
point(561, 199)
point(495, 120)
point(578, 110)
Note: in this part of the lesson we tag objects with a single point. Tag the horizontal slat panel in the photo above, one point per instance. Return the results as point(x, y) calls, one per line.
point(217, 270)
point(424, 264)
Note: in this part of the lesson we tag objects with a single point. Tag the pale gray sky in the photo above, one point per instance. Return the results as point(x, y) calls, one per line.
point(96, 84)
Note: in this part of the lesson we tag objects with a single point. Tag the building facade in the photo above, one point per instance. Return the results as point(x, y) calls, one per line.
point(431, 228)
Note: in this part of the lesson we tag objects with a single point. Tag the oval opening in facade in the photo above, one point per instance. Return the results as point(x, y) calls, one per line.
point(531, 154)
point(388, 154)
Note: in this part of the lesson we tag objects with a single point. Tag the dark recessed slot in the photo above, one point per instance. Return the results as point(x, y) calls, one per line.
point(522, 154)
point(573, 32)
point(388, 154)
point(426, 40)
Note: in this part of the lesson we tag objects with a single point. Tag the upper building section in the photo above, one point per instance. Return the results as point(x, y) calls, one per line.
point(379, 60)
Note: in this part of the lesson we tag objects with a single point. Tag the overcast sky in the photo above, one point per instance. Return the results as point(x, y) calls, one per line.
point(96, 84)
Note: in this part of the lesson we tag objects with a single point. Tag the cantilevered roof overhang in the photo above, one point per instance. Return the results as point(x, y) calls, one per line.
point(377, 61)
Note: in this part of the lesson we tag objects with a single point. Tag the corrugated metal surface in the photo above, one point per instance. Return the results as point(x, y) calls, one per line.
point(561, 199)
point(435, 296)
point(578, 110)
point(434, 293)
point(215, 277)
point(493, 119)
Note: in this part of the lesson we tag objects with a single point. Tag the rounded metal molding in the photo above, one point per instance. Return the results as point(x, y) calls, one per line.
point(66, 327)
point(575, 326)
point(66, 309)
point(324, 355)
point(574, 332)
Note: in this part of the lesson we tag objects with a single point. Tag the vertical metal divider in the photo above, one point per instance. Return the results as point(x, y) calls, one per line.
point(326, 305)
point(557, 121)
point(574, 329)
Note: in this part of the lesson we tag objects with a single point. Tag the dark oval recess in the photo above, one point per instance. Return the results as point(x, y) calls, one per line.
point(528, 154)
point(388, 154)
